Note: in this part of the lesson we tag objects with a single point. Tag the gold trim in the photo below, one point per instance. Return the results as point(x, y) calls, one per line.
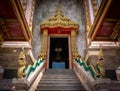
point(69, 47)
point(17, 37)
point(20, 14)
point(73, 33)
point(31, 15)
point(25, 5)
point(10, 20)
point(102, 38)
point(95, 7)
point(111, 20)
point(59, 20)
point(88, 22)
point(116, 31)
point(99, 18)
point(3, 30)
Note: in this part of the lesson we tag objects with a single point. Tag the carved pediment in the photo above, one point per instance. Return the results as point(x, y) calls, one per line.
point(59, 20)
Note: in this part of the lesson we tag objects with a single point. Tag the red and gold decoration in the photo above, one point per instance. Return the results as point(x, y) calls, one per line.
point(3, 30)
point(95, 7)
point(88, 22)
point(116, 31)
point(14, 22)
point(105, 23)
point(58, 24)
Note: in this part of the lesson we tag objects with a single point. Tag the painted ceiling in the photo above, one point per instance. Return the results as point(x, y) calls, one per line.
point(109, 22)
point(10, 25)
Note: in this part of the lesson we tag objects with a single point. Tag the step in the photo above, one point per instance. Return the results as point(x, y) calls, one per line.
point(60, 88)
point(58, 71)
point(59, 80)
point(48, 76)
point(58, 77)
point(60, 84)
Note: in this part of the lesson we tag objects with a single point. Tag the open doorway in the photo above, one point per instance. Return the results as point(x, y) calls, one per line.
point(59, 53)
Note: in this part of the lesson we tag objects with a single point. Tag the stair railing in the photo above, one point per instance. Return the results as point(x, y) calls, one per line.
point(27, 74)
point(89, 73)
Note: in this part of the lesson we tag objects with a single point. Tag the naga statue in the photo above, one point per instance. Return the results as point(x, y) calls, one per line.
point(23, 70)
point(97, 71)
point(22, 63)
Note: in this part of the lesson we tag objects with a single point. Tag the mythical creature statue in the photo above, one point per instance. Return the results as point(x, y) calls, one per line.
point(22, 63)
point(23, 70)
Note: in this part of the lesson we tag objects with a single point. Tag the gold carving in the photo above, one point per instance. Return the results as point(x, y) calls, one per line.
point(21, 61)
point(42, 53)
point(116, 31)
point(44, 45)
point(25, 5)
point(3, 30)
point(21, 17)
point(31, 15)
point(59, 20)
point(73, 33)
point(100, 63)
point(45, 33)
point(95, 7)
point(74, 47)
point(88, 24)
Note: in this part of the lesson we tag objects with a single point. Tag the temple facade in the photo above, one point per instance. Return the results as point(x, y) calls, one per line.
point(59, 45)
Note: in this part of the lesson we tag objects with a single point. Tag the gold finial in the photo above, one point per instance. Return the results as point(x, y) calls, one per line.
point(58, 9)
point(100, 56)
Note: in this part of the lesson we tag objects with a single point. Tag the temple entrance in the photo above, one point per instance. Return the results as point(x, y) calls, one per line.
point(59, 53)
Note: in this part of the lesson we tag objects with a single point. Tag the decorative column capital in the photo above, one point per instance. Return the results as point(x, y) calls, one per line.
point(45, 32)
point(73, 33)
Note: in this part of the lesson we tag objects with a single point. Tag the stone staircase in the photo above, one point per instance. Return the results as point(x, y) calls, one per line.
point(59, 80)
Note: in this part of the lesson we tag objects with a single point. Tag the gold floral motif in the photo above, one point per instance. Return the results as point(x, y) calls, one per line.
point(88, 23)
point(59, 20)
point(95, 7)
point(25, 5)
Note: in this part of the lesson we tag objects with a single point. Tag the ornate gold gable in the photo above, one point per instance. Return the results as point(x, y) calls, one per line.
point(59, 20)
